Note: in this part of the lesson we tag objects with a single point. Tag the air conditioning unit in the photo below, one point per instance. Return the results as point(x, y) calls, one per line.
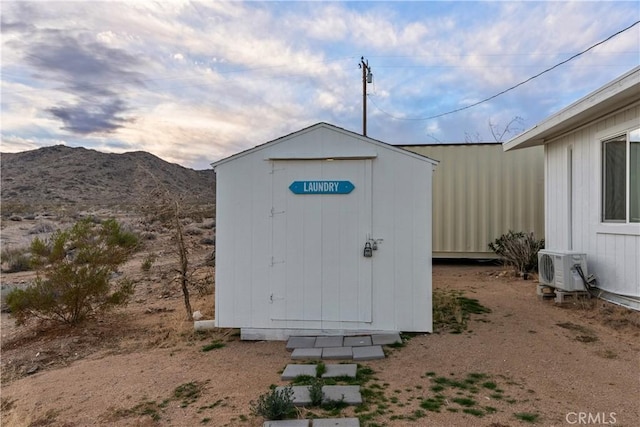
point(557, 269)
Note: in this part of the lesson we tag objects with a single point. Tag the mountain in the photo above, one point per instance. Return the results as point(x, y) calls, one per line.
point(61, 176)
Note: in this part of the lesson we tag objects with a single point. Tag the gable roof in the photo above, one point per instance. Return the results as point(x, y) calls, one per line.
point(334, 128)
point(615, 95)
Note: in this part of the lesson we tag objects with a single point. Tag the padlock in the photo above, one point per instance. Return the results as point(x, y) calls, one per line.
point(368, 251)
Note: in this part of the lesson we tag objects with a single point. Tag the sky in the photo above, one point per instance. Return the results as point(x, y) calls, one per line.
point(194, 82)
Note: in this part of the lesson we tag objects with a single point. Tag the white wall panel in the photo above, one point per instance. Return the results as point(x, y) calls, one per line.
point(613, 256)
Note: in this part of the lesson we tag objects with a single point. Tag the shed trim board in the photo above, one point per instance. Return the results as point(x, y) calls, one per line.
point(314, 154)
point(573, 158)
point(289, 260)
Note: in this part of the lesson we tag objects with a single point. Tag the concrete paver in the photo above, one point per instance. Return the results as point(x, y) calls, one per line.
point(301, 395)
point(368, 353)
point(292, 371)
point(349, 393)
point(300, 342)
point(343, 370)
point(319, 422)
point(329, 341)
point(357, 341)
point(336, 422)
point(307, 353)
point(385, 339)
point(335, 347)
point(337, 353)
point(287, 423)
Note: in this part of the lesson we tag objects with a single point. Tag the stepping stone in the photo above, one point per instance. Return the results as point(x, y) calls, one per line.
point(340, 371)
point(357, 341)
point(292, 371)
point(385, 339)
point(336, 422)
point(368, 353)
point(350, 393)
point(337, 353)
point(332, 341)
point(301, 395)
point(300, 342)
point(287, 423)
point(307, 353)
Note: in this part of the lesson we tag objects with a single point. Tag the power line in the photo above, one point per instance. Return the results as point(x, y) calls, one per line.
point(506, 90)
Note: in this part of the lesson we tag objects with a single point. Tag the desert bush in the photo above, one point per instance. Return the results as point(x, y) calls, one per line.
point(193, 231)
point(42, 227)
point(207, 241)
point(148, 235)
point(77, 265)
point(147, 263)
point(208, 225)
point(15, 260)
point(275, 404)
point(315, 392)
point(518, 250)
point(204, 286)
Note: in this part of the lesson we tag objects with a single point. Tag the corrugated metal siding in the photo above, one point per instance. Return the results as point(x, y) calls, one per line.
point(480, 193)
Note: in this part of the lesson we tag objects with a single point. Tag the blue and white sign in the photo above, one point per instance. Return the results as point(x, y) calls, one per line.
point(321, 187)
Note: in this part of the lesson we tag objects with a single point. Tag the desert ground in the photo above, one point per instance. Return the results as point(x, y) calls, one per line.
point(144, 365)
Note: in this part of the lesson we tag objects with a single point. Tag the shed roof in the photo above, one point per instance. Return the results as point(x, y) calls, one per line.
point(615, 95)
point(334, 128)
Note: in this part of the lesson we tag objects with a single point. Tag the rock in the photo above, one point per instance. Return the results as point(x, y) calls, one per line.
point(197, 315)
point(33, 370)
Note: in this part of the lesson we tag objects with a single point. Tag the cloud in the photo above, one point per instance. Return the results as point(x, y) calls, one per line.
point(92, 115)
point(92, 73)
point(196, 81)
point(84, 65)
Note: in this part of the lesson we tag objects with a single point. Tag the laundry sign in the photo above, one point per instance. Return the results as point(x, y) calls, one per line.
point(321, 187)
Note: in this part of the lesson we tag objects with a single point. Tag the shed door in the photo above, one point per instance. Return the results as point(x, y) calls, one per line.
point(319, 272)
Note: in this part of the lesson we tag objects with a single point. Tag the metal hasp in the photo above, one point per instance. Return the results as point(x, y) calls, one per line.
point(368, 250)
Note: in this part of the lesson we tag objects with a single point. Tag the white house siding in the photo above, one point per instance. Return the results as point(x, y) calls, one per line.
point(247, 270)
point(480, 193)
point(613, 250)
point(402, 208)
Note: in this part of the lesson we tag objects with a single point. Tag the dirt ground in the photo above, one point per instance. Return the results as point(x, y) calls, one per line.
point(542, 364)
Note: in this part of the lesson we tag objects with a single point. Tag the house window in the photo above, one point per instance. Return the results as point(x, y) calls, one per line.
point(621, 178)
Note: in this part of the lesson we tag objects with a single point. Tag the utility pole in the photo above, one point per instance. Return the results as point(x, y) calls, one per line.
point(367, 77)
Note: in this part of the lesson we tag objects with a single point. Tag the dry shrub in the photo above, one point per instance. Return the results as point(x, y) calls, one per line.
point(42, 227)
point(193, 231)
point(208, 225)
point(15, 260)
point(518, 250)
point(148, 235)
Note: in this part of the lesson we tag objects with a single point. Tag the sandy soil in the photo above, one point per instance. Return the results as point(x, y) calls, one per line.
point(124, 369)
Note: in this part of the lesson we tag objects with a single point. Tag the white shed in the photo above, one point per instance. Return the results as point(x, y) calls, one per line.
point(592, 183)
point(294, 217)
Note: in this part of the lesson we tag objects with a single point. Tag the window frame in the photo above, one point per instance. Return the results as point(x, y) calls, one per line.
point(616, 137)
